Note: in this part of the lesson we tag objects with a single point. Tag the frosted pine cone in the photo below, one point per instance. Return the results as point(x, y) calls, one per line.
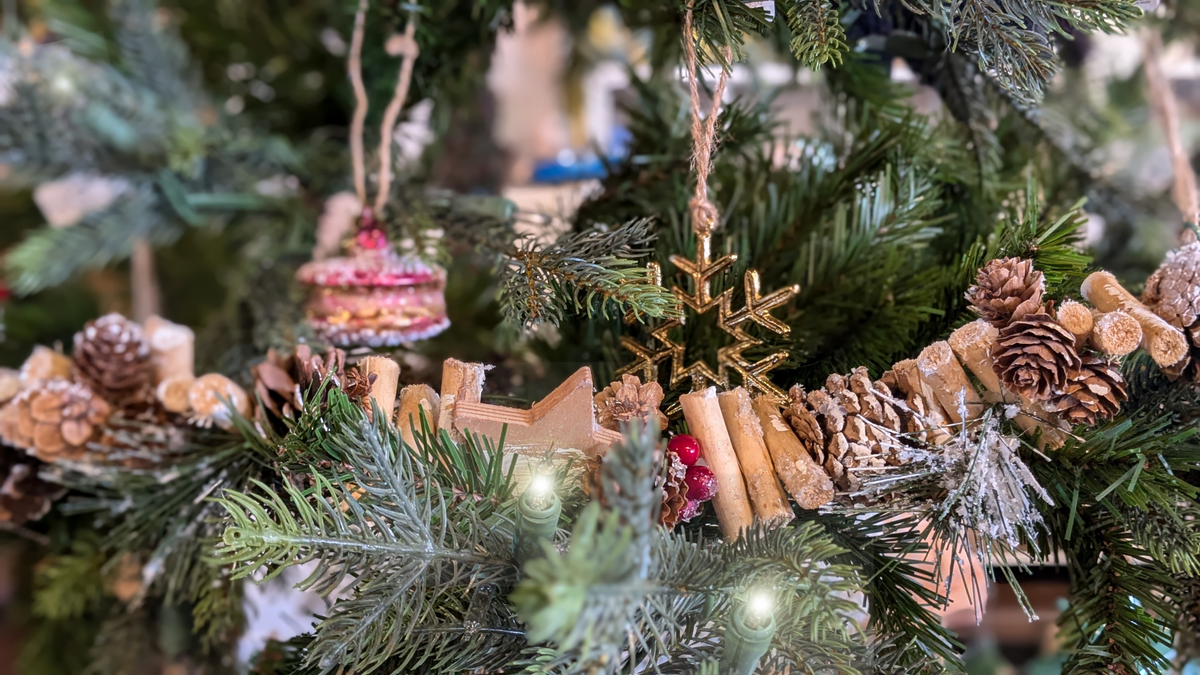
point(112, 358)
point(1093, 393)
point(851, 423)
point(627, 400)
point(1034, 356)
point(1006, 288)
point(55, 419)
point(1173, 291)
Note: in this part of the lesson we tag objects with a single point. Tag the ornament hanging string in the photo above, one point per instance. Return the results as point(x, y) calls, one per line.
point(406, 47)
point(704, 212)
point(1163, 100)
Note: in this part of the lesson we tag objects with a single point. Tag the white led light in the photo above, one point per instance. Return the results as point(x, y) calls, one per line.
point(760, 604)
point(541, 485)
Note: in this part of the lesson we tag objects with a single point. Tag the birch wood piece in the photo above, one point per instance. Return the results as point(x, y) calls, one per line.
point(1077, 318)
point(415, 399)
point(808, 484)
point(172, 348)
point(707, 425)
point(173, 393)
point(1116, 333)
point(460, 381)
point(949, 382)
point(208, 396)
point(972, 344)
point(1162, 341)
point(919, 394)
point(44, 364)
point(767, 499)
point(387, 378)
point(564, 420)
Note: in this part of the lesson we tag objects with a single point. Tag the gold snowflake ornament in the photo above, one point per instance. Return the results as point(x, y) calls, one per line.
point(702, 269)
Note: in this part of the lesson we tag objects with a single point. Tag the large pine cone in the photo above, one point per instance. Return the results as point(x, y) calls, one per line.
point(112, 358)
point(1006, 288)
point(277, 392)
point(1035, 356)
point(851, 423)
point(1173, 291)
point(56, 419)
point(1093, 393)
point(23, 496)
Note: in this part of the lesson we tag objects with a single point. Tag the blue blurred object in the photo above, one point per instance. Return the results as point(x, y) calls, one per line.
point(568, 166)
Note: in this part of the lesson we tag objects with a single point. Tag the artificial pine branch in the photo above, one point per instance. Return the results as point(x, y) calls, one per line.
point(817, 34)
point(378, 519)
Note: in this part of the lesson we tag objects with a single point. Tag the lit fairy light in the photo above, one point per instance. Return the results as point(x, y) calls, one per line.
point(760, 605)
point(541, 489)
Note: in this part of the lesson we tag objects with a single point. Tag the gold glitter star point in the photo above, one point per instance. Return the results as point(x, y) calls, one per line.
point(757, 309)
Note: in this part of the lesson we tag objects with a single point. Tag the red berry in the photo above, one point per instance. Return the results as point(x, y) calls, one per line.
point(701, 482)
point(687, 447)
point(690, 510)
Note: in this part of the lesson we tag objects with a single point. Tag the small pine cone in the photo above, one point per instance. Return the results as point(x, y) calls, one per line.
point(1034, 356)
point(1093, 393)
point(112, 358)
point(627, 400)
point(674, 491)
point(277, 393)
point(1173, 291)
point(24, 497)
point(312, 369)
point(357, 387)
point(56, 419)
point(1005, 289)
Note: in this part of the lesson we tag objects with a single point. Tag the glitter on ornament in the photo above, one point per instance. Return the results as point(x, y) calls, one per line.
point(373, 296)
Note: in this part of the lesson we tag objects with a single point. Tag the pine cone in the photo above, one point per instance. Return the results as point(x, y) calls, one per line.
point(1006, 289)
point(629, 399)
point(673, 487)
point(277, 392)
point(23, 496)
point(1034, 356)
point(674, 491)
point(1173, 291)
point(1094, 392)
point(112, 358)
point(850, 423)
point(55, 419)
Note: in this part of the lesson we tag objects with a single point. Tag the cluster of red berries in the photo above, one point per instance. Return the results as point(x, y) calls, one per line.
point(701, 483)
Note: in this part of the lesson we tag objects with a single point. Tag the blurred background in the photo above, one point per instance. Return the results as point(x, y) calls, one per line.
point(535, 112)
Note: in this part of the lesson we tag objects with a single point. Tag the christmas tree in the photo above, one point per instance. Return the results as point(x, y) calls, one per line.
point(762, 403)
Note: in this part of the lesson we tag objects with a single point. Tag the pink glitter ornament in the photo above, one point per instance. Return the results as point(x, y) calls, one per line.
point(374, 297)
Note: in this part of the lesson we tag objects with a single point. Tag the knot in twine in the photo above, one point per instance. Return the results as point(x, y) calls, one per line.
point(705, 216)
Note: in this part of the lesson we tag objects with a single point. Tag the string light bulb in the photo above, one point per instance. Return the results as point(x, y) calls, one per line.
point(538, 511)
point(759, 607)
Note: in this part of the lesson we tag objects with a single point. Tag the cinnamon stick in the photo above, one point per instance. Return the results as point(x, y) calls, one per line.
point(1116, 333)
point(920, 399)
point(1162, 341)
point(1077, 318)
point(387, 378)
point(707, 425)
point(808, 484)
point(949, 382)
point(172, 348)
point(770, 504)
